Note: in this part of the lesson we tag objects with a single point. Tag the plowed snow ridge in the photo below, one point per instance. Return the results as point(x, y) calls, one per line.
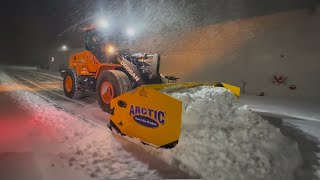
point(221, 139)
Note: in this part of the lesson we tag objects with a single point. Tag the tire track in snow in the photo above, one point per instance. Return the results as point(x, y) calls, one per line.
point(52, 78)
point(44, 89)
point(87, 109)
point(55, 104)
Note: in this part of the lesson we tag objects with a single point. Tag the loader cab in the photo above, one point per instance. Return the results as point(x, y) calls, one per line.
point(99, 42)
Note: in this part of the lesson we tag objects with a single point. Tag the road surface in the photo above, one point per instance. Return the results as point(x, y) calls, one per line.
point(49, 87)
point(24, 156)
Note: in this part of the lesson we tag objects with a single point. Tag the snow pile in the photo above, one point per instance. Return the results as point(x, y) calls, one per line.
point(220, 139)
point(79, 144)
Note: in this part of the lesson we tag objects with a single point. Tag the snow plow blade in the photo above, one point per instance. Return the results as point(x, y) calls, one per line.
point(152, 116)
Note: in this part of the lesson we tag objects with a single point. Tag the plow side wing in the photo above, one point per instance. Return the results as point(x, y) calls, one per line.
point(234, 89)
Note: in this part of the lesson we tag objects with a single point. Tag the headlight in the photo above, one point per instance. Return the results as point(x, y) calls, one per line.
point(131, 32)
point(110, 49)
point(102, 23)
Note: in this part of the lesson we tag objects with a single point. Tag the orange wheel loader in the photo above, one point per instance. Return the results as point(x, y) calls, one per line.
point(106, 67)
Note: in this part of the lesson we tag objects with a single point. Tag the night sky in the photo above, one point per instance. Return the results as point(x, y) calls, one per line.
point(29, 30)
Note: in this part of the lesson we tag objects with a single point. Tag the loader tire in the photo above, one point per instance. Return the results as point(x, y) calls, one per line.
point(111, 84)
point(71, 85)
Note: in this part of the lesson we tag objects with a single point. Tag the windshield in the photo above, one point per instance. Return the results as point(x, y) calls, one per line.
point(104, 38)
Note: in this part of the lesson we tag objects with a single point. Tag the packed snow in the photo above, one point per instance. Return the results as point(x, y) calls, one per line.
point(221, 139)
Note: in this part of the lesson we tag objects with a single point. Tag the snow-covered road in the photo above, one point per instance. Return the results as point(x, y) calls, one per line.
point(61, 140)
point(67, 139)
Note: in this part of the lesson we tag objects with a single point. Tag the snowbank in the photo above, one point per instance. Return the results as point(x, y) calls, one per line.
point(221, 139)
